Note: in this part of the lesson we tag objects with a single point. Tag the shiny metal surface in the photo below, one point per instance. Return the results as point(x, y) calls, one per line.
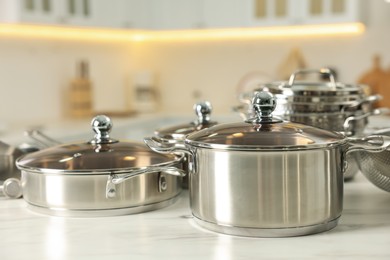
point(179, 132)
point(267, 175)
point(102, 174)
point(88, 192)
point(102, 126)
point(375, 166)
point(61, 212)
point(263, 132)
point(327, 72)
point(267, 189)
point(11, 188)
point(267, 232)
point(247, 136)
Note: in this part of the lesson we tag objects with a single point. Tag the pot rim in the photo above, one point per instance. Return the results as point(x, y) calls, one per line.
point(90, 172)
point(268, 148)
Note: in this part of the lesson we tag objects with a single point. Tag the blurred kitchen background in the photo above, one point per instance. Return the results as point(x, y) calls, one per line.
point(146, 56)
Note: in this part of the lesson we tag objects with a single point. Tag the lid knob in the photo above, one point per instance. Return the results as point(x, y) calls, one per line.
point(263, 103)
point(102, 126)
point(203, 110)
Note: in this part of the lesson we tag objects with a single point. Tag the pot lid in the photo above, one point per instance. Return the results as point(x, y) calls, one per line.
point(321, 88)
point(101, 155)
point(264, 132)
point(179, 132)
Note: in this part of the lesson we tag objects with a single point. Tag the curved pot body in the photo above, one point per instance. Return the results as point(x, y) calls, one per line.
point(268, 193)
point(266, 177)
point(85, 195)
point(101, 177)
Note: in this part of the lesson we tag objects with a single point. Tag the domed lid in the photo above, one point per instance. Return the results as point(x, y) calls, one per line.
point(264, 132)
point(179, 132)
point(101, 155)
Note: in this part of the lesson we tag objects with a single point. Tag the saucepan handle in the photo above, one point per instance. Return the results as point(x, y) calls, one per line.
point(167, 146)
point(375, 112)
point(372, 144)
point(323, 71)
point(370, 99)
point(117, 178)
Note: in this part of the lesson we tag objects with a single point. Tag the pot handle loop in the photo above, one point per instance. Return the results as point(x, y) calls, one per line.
point(367, 100)
point(350, 119)
point(323, 71)
point(166, 146)
point(372, 144)
point(114, 179)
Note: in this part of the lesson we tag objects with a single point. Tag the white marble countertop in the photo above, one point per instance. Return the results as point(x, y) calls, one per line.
point(169, 233)
point(363, 231)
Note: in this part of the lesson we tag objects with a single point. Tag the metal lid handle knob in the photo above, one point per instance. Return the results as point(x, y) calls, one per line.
point(203, 111)
point(102, 126)
point(263, 104)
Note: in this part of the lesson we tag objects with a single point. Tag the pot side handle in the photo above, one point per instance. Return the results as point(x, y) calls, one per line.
point(166, 146)
point(114, 179)
point(375, 112)
point(372, 144)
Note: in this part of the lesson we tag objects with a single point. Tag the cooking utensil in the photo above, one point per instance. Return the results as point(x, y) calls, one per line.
point(101, 177)
point(11, 188)
point(267, 177)
point(375, 166)
point(179, 132)
point(328, 104)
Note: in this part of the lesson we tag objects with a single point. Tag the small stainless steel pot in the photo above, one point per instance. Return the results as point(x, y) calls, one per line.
point(179, 132)
point(266, 177)
point(101, 177)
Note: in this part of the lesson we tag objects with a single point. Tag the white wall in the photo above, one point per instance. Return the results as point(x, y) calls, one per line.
point(35, 73)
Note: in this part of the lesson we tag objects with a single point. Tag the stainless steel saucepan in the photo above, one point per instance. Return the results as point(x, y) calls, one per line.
point(267, 177)
point(101, 177)
point(179, 132)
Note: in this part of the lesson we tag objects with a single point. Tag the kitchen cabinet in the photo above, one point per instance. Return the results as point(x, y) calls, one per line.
point(300, 12)
point(136, 14)
point(269, 12)
point(29, 11)
point(179, 14)
point(96, 13)
point(189, 14)
point(223, 13)
point(330, 11)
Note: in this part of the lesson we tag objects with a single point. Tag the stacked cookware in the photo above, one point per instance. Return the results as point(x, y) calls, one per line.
point(325, 104)
point(266, 176)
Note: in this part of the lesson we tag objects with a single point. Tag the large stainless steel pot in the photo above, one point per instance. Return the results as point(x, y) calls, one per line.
point(266, 177)
point(100, 177)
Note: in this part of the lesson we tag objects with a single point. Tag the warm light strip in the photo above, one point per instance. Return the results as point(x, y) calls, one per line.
point(262, 32)
point(68, 33)
point(72, 33)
